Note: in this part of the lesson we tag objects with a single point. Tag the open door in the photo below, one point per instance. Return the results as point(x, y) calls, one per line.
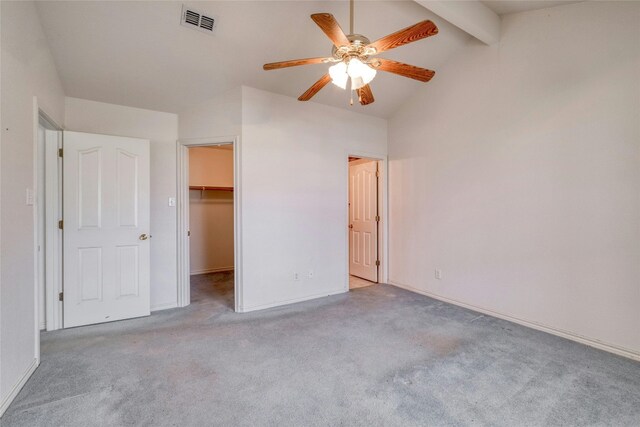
point(363, 220)
point(105, 229)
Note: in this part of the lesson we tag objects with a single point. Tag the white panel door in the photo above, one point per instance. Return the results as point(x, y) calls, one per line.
point(363, 224)
point(106, 228)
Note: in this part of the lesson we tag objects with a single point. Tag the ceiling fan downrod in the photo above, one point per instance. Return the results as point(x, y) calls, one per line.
point(351, 7)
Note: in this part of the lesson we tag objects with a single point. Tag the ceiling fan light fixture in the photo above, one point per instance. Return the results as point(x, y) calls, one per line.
point(339, 76)
point(358, 70)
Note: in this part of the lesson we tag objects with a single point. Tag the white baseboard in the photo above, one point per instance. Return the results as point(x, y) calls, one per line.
point(43, 326)
point(211, 270)
point(533, 325)
point(18, 386)
point(246, 309)
point(164, 306)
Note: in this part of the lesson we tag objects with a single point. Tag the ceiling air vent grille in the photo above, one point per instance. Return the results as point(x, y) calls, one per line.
point(207, 23)
point(194, 19)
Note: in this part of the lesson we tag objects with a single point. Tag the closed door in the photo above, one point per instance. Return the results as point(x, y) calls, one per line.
point(363, 220)
point(106, 228)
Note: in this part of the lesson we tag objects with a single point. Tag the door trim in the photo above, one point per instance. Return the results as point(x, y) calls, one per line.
point(383, 204)
point(52, 251)
point(184, 276)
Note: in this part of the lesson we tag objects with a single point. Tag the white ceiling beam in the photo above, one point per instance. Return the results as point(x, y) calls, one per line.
point(472, 17)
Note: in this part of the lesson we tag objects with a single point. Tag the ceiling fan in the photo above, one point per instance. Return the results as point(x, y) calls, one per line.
point(353, 57)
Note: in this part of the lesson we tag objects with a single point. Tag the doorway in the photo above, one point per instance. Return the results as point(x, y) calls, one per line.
point(211, 228)
point(233, 281)
point(364, 221)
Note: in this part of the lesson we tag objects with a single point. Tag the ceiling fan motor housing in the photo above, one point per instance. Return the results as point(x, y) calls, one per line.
point(358, 48)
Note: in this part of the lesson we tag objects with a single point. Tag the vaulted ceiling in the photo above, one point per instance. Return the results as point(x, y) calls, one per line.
point(137, 53)
point(504, 7)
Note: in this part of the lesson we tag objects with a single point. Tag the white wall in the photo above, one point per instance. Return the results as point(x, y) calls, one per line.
point(293, 175)
point(27, 70)
point(294, 194)
point(211, 166)
point(162, 130)
point(210, 212)
point(219, 116)
point(516, 171)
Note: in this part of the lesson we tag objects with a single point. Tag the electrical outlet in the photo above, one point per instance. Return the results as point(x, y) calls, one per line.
point(310, 275)
point(296, 276)
point(438, 274)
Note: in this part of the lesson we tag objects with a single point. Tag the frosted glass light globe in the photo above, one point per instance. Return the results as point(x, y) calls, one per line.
point(339, 76)
point(357, 69)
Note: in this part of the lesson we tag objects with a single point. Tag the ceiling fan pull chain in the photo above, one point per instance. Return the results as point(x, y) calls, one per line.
point(351, 100)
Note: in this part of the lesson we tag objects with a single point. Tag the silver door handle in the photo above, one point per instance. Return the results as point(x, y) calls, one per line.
point(144, 237)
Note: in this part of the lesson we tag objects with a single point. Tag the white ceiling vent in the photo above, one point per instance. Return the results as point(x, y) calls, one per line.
point(194, 19)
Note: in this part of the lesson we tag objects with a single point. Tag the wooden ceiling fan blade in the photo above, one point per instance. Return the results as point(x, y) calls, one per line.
point(365, 95)
point(331, 28)
point(407, 35)
point(293, 63)
point(405, 70)
point(315, 88)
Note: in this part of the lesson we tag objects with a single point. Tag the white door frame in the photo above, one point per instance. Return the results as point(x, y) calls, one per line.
point(52, 252)
point(383, 210)
point(184, 282)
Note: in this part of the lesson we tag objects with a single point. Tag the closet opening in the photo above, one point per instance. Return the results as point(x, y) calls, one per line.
point(211, 225)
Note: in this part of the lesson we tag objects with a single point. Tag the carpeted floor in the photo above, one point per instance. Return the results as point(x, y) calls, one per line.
point(375, 356)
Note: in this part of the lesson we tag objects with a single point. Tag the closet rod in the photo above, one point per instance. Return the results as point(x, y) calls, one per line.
point(208, 188)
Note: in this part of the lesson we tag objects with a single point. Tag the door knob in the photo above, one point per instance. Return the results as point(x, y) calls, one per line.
point(144, 237)
point(350, 225)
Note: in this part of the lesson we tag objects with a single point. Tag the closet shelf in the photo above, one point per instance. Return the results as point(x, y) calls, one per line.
point(209, 188)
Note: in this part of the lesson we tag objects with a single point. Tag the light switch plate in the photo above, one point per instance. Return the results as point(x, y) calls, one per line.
point(29, 199)
point(172, 201)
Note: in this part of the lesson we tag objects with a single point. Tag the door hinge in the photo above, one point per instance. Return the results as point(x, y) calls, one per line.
point(61, 296)
point(60, 224)
point(378, 218)
point(377, 262)
point(188, 233)
point(377, 174)
point(59, 152)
